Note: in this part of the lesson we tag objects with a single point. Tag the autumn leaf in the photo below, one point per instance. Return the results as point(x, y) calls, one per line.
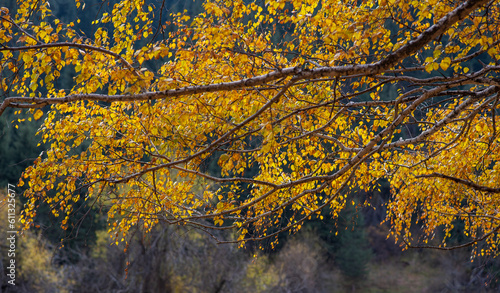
point(38, 114)
point(445, 63)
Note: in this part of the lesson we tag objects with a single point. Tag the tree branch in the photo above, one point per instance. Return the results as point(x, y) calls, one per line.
point(298, 72)
point(76, 45)
point(461, 181)
point(470, 243)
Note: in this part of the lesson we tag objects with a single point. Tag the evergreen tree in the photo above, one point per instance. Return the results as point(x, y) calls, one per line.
point(354, 252)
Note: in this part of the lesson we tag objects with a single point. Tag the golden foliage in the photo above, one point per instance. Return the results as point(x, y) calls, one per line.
point(304, 91)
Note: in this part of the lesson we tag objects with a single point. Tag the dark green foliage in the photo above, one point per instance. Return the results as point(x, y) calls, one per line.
point(354, 252)
point(18, 147)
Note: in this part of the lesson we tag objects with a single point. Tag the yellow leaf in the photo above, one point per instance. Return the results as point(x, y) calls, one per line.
point(38, 114)
point(436, 53)
point(223, 158)
point(429, 67)
point(445, 63)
